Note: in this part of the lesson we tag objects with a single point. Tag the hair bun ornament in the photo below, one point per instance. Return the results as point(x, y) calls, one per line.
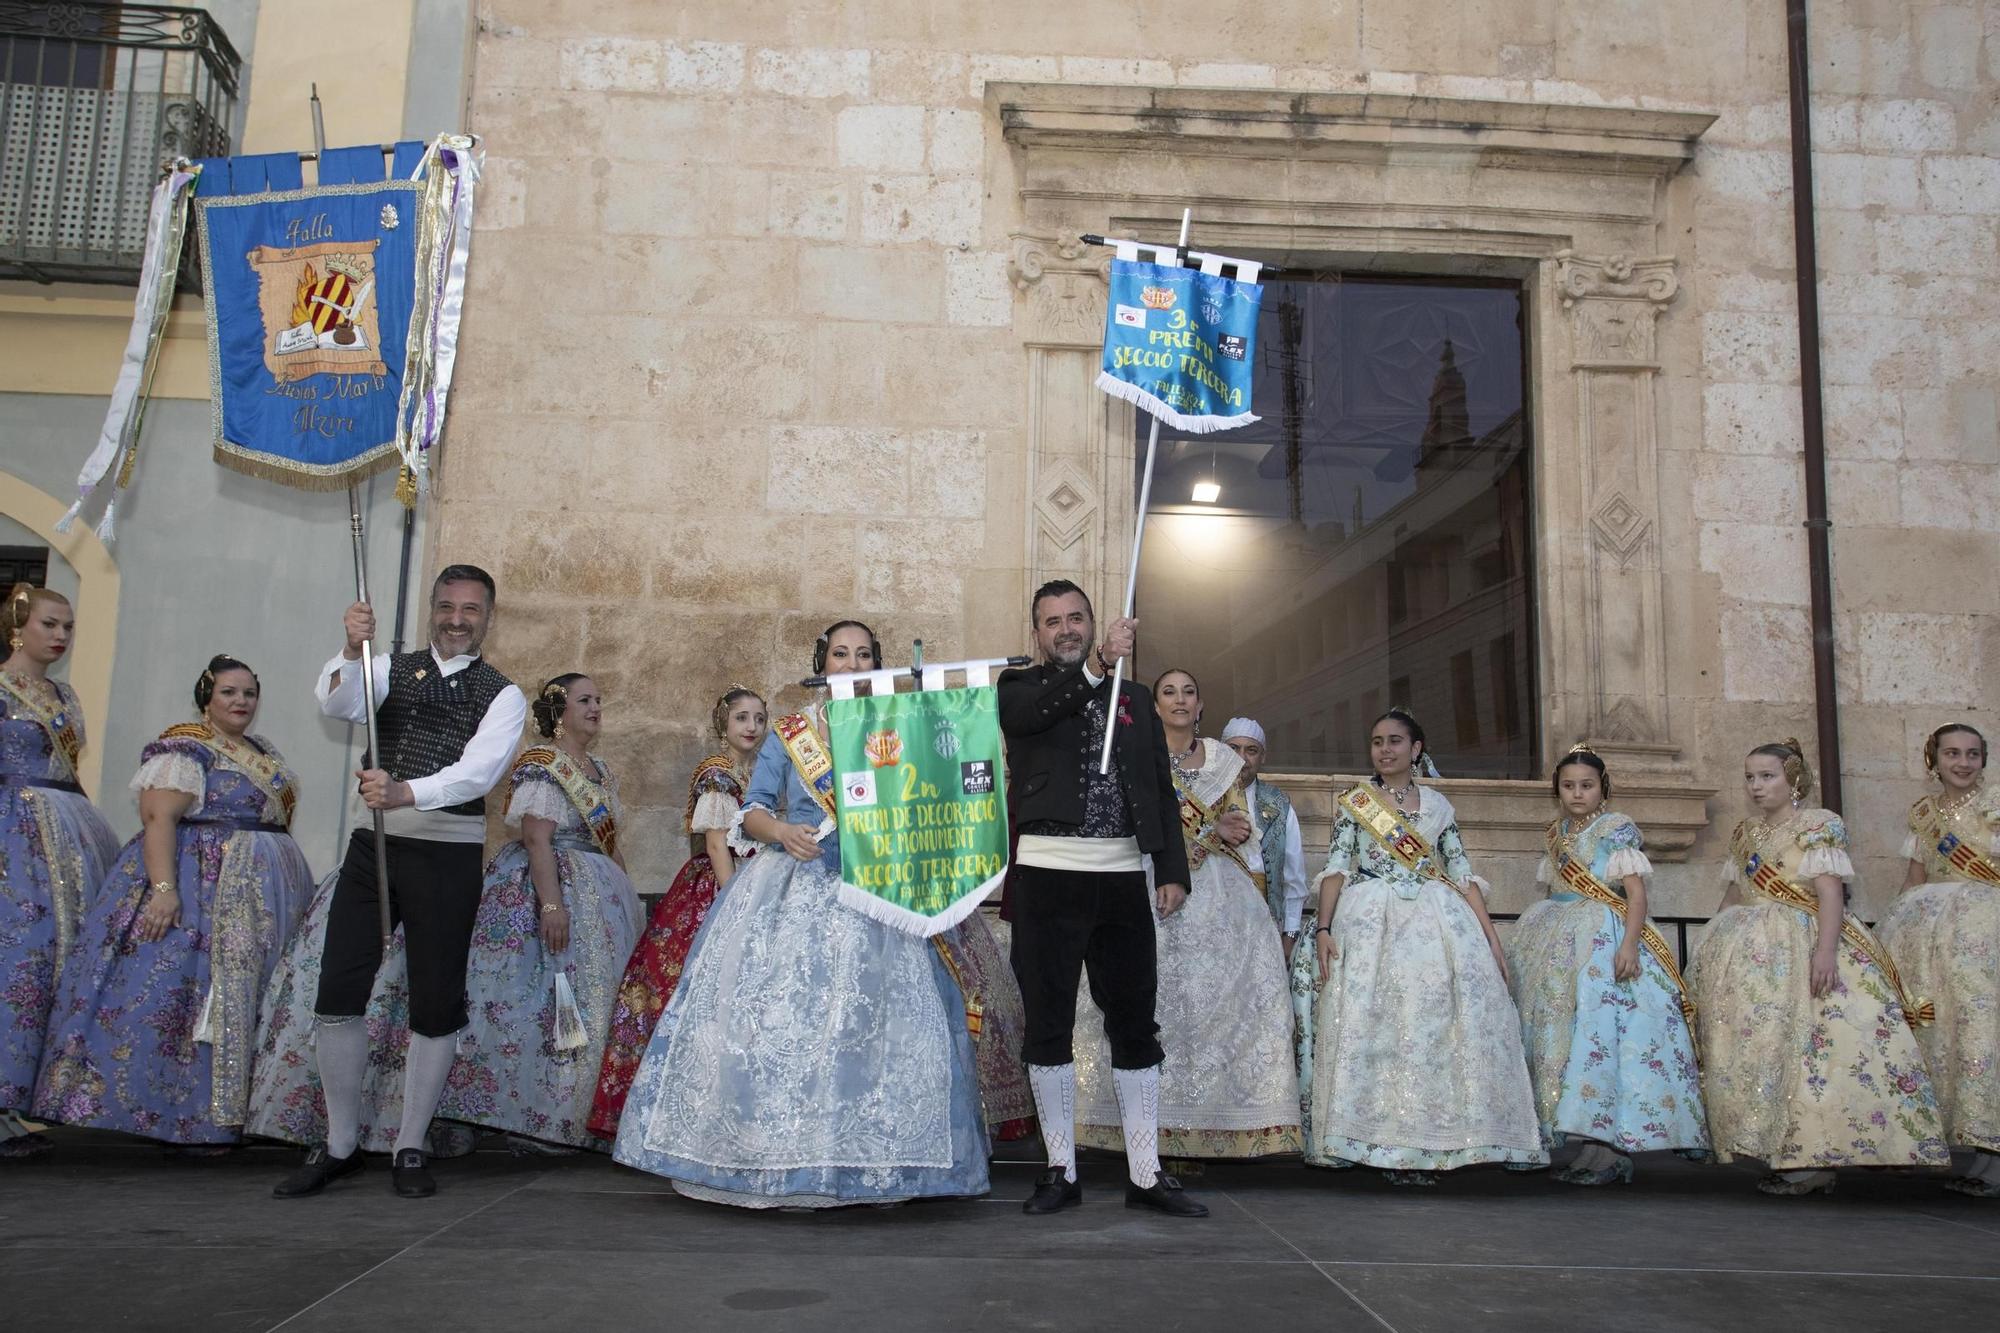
point(1583, 747)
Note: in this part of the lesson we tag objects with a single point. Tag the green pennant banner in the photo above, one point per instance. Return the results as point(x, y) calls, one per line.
point(923, 809)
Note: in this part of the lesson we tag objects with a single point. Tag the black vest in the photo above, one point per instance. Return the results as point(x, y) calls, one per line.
point(429, 718)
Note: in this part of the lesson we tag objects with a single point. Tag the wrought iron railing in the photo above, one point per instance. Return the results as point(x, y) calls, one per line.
point(94, 100)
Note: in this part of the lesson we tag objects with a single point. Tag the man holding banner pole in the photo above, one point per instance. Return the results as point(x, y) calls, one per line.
point(447, 726)
point(1079, 896)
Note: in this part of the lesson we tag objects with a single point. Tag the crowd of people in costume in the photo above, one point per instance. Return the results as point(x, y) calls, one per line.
point(1165, 980)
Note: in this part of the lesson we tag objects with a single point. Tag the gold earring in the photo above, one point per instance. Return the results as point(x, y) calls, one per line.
point(559, 729)
point(14, 641)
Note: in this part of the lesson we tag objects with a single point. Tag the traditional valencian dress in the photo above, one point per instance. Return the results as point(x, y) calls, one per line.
point(1611, 1061)
point(715, 795)
point(1796, 1081)
point(157, 1038)
point(1945, 938)
point(1229, 1085)
point(54, 851)
point(1006, 1100)
point(1417, 1060)
point(528, 1059)
point(810, 1057)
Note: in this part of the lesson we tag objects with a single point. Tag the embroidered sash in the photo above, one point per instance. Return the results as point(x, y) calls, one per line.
point(65, 743)
point(1396, 834)
point(585, 793)
point(1768, 880)
point(1198, 823)
point(1577, 877)
point(809, 756)
point(265, 771)
point(1930, 825)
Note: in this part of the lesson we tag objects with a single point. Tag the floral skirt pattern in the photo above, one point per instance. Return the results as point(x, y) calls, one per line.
point(1945, 939)
point(285, 1098)
point(1799, 1082)
point(650, 978)
point(1612, 1061)
point(509, 1075)
point(810, 1058)
point(1229, 1085)
point(55, 849)
point(1417, 1060)
point(1005, 1097)
point(154, 1038)
point(1303, 973)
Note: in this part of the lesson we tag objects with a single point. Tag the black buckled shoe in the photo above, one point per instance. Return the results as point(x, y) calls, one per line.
point(319, 1170)
point(1165, 1195)
point(1053, 1193)
point(410, 1176)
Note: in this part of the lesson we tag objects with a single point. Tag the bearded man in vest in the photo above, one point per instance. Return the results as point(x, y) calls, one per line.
point(447, 724)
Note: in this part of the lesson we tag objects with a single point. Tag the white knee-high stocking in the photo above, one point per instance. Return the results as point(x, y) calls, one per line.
point(1055, 1106)
point(1139, 1108)
point(424, 1075)
point(340, 1049)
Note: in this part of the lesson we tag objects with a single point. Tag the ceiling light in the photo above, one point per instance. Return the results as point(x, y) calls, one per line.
point(1206, 493)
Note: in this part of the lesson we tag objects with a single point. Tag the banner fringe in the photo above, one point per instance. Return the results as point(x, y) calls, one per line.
point(916, 923)
point(363, 468)
point(1146, 402)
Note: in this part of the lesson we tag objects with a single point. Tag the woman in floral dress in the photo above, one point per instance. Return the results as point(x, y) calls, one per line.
point(1603, 1011)
point(54, 847)
point(1229, 1086)
point(1944, 933)
point(157, 1019)
point(557, 920)
point(1808, 1061)
point(1417, 1060)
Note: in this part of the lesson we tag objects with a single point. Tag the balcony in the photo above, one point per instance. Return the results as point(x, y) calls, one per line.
point(94, 100)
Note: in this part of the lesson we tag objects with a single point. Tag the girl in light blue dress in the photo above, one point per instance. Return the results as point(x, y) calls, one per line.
point(1610, 1050)
point(810, 1057)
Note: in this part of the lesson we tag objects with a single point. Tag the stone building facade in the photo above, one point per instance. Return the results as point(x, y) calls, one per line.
point(778, 314)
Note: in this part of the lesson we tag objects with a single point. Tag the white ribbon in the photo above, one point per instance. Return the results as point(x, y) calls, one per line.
point(433, 346)
point(149, 311)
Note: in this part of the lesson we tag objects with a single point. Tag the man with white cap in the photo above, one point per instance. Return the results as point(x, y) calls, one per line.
point(1277, 828)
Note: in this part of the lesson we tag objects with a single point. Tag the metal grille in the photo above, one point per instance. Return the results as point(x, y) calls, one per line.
point(95, 100)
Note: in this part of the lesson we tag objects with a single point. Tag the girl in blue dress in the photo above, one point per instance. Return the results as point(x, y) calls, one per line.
point(1603, 1019)
point(811, 1057)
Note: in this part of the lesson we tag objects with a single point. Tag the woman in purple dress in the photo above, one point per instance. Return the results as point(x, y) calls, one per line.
point(54, 846)
point(156, 1020)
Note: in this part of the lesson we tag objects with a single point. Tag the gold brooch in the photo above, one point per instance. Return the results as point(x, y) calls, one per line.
point(422, 672)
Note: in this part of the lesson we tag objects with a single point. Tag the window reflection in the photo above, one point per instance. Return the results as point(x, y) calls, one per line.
point(1368, 541)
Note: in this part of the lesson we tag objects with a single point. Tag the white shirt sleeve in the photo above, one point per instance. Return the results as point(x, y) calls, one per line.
point(486, 759)
point(1294, 873)
point(343, 700)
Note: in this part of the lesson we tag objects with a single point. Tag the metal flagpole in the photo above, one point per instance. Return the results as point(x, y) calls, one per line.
point(368, 644)
point(1138, 540)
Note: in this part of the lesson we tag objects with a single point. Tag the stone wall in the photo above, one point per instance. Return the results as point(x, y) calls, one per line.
point(751, 345)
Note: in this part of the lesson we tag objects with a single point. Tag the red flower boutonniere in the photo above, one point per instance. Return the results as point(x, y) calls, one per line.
point(1124, 711)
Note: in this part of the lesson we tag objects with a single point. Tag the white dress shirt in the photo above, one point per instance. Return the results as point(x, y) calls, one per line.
point(486, 759)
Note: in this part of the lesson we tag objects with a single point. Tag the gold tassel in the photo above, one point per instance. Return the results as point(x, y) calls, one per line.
point(406, 488)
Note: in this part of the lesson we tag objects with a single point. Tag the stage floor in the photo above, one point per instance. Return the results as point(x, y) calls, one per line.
point(105, 1233)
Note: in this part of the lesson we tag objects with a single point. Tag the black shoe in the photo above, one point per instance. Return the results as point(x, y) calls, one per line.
point(319, 1170)
point(1053, 1193)
point(1165, 1195)
point(410, 1176)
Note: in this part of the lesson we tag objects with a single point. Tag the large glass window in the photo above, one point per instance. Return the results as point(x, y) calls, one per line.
point(1368, 541)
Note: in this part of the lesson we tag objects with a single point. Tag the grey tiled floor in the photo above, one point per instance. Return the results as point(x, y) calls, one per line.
point(106, 1233)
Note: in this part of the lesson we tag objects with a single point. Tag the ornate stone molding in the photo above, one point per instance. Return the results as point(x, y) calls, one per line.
point(1371, 127)
point(1614, 303)
point(1064, 282)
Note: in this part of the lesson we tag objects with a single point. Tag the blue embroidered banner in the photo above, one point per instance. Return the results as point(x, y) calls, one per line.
point(309, 293)
point(1181, 344)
